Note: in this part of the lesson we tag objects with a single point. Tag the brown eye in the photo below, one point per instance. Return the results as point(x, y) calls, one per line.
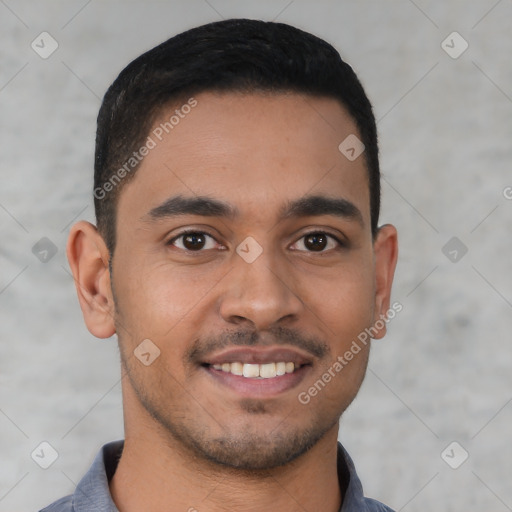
point(318, 241)
point(193, 241)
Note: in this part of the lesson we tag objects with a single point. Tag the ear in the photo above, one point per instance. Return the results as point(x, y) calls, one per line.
point(385, 249)
point(88, 258)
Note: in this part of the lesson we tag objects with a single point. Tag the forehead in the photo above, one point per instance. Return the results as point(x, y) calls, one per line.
point(249, 150)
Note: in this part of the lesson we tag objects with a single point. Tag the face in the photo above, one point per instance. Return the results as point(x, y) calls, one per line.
point(244, 254)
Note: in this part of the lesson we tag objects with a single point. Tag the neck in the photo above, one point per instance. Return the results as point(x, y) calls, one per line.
point(157, 474)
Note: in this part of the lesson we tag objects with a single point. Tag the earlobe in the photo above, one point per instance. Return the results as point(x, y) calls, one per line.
point(386, 255)
point(88, 258)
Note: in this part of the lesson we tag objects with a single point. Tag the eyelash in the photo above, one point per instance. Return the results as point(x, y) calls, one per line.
point(199, 232)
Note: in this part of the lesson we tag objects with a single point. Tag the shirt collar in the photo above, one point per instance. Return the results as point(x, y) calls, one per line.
point(92, 492)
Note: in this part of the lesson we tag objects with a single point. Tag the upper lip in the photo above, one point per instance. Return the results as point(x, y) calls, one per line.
point(255, 355)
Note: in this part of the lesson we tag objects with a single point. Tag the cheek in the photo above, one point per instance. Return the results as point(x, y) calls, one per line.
point(344, 302)
point(347, 307)
point(153, 301)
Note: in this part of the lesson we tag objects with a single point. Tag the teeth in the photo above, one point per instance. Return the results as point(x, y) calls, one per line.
point(236, 368)
point(267, 371)
point(253, 371)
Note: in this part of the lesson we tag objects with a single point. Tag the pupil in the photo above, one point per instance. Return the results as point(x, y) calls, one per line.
point(318, 242)
point(194, 241)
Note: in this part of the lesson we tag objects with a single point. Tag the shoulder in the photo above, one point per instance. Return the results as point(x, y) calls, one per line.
point(376, 506)
point(63, 505)
point(352, 489)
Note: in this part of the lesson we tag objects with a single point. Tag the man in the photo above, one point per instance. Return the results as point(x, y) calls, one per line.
point(238, 258)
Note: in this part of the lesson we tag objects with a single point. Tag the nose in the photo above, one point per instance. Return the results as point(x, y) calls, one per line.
point(260, 293)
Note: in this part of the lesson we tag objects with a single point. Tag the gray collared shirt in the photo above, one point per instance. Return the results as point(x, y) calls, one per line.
point(92, 494)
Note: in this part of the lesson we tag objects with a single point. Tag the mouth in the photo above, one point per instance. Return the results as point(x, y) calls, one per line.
point(258, 373)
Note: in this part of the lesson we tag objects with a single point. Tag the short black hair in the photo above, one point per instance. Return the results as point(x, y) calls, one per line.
point(234, 55)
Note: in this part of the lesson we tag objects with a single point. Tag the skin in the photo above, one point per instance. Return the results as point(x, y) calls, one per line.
point(255, 152)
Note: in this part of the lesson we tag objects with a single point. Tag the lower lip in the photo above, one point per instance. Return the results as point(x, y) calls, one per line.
point(259, 388)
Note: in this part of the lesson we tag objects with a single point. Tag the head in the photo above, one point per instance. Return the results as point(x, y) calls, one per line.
point(232, 228)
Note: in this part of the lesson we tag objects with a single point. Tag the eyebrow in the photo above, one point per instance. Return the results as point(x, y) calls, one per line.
point(316, 205)
point(308, 206)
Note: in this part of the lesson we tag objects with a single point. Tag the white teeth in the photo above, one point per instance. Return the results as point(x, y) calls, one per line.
point(267, 371)
point(253, 371)
point(237, 368)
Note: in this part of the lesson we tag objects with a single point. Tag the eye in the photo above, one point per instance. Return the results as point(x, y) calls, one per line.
point(318, 241)
point(193, 241)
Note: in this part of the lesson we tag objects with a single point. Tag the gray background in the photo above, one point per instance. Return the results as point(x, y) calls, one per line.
point(442, 374)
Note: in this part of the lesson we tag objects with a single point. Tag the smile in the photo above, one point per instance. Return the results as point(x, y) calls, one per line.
point(257, 371)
